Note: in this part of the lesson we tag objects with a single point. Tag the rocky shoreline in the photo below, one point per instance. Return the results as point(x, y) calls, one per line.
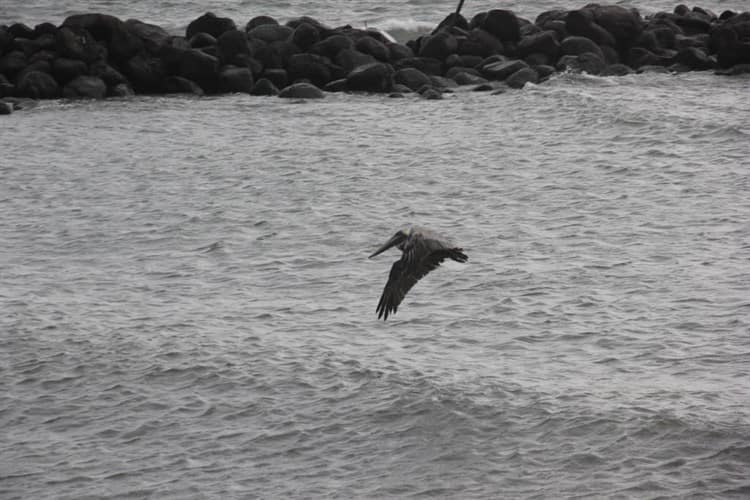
point(98, 56)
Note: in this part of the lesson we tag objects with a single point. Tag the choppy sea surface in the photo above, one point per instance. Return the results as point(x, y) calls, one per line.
point(187, 309)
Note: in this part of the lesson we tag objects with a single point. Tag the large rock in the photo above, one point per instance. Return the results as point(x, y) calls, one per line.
point(121, 41)
point(77, 43)
point(260, 21)
point(85, 87)
point(179, 85)
point(582, 23)
point(37, 85)
point(503, 24)
point(373, 47)
point(373, 77)
point(695, 59)
point(234, 79)
point(479, 43)
point(438, 46)
point(271, 32)
point(199, 67)
point(521, 77)
point(575, 45)
point(233, 47)
point(309, 67)
point(152, 36)
point(544, 42)
point(302, 91)
point(331, 46)
point(587, 62)
point(502, 69)
point(65, 70)
point(211, 24)
point(351, 58)
point(426, 65)
point(264, 86)
point(624, 24)
point(6, 88)
point(12, 63)
point(145, 73)
point(107, 73)
point(6, 108)
point(412, 78)
point(305, 36)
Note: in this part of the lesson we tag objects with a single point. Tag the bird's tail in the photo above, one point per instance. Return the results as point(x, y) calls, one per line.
point(458, 254)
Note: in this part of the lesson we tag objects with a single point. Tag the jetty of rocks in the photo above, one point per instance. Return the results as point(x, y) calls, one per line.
point(98, 55)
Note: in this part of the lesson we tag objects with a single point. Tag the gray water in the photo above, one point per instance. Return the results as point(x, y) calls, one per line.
point(187, 309)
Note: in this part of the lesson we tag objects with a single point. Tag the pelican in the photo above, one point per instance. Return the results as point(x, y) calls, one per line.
point(423, 251)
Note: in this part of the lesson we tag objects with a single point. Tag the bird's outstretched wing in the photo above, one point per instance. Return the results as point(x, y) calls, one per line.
point(413, 265)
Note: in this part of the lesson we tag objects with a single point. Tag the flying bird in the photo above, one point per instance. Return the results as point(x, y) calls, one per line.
point(423, 251)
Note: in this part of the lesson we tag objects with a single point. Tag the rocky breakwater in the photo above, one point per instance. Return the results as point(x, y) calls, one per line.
point(97, 55)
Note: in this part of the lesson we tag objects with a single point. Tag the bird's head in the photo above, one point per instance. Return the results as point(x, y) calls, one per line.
point(396, 240)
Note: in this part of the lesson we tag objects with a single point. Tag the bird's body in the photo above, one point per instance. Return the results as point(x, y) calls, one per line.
point(423, 251)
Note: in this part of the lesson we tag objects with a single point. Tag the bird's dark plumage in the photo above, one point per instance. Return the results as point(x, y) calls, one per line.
point(423, 251)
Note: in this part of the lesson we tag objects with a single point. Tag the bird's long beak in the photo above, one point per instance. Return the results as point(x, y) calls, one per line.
point(388, 244)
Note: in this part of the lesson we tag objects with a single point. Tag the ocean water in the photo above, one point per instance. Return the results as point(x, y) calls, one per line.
point(187, 309)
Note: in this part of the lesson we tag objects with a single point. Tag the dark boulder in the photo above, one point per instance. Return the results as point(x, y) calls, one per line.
point(6, 87)
point(479, 43)
point(502, 24)
point(12, 63)
point(351, 58)
point(331, 46)
point(260, 21)
point(6, 108)
point(411, 77)
point(234, 79)
point(373, 47)
point(110, 75)
point(271, 32)
point(468, 78)
point(269, 56)
point(121, 41)
point(438, 46)
point(21, 30)
point(453, 20)
point(582, 23)
point(544, 71)
point(264, 86)
point(65, 70)
point(587, 62)
point(464, 61)
point(305, 36)
point(616, 70)
point(233, 48)
point(638, 57)
point(544, 42)
point(574, 45)
point(146, 73)
point(426, 65)
point(309, 67)
point(152, 36)
point(398, 51)
point(695, 59)
point(430, 93)
point(521, 77)
point(373, 77)
point(302, 91)
point(211, 24)
point(203, 40)
point(336, 86)
point(121, 90)
point(37, 85)
point(5, 39)
point(625, 25)
point(45, 29)
point(77, 43)
point(85, 87)
point(277, 76)
point(502, 70)
point(199, 67)
point(179, 85)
